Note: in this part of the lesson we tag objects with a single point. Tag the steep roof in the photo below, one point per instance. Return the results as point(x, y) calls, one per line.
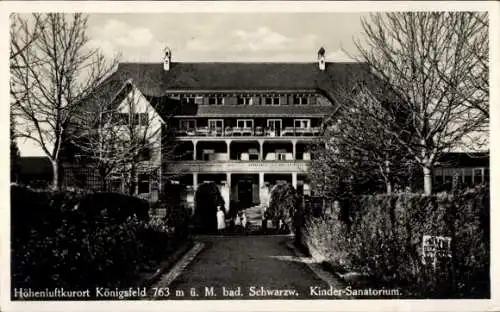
point(153, 80)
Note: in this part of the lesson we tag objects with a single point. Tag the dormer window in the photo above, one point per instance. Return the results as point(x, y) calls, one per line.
point(300, 100)
point(272, 100)
point(188, 99)
point(244, 100)
point(215, 100)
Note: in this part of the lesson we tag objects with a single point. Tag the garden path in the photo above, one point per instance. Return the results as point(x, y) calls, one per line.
point(263, 262)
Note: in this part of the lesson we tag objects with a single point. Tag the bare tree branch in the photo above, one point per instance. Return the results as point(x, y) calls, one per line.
point(52, 70)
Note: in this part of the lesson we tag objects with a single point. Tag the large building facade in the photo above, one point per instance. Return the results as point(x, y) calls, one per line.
point(244, 126)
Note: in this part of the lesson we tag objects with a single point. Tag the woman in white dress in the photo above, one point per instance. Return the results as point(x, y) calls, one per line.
point(221, 220)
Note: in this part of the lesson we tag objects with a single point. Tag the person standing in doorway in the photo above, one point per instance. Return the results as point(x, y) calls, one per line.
point(244, 221)
point(221, 220)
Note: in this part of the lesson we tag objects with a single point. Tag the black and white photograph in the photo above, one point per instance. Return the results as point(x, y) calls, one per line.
point(204, 156)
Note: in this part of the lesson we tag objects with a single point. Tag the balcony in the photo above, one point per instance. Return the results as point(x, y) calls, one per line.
point(248, 132)
point(237, 166)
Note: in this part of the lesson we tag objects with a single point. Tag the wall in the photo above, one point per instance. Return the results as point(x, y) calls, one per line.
point(136, 102)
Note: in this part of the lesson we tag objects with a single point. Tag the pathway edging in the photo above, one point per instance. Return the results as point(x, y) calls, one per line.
point(168, 277)
point(331, 278)
point(166, 265)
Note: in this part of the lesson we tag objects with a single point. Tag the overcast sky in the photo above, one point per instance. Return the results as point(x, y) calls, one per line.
point(197, 37)
point(225, 36)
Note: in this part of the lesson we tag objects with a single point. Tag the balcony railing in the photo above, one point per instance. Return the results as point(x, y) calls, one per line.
point(255, 166)
point(240, 131)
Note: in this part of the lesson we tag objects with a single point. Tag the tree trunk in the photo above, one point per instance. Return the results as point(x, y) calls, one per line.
point(55, 174)
point(388, 187)
point(133, 181)
point(104, 184)
point(427, 180)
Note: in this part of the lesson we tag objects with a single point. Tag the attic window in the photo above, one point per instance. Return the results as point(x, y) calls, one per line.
point(215, 100)
point(244, 100)
point(188, 99)
point(144, 119)
point(300, 100)
point(140, 119)
point(272, 100)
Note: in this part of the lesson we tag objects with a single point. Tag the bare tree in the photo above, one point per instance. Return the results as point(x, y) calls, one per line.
point(355, 152)
point(23, 34)
point(50, 77)
point(422, 57)
point(121, 132)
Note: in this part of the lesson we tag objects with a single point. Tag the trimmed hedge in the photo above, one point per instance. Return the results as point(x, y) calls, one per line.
point(58, 242)
point(382, 237)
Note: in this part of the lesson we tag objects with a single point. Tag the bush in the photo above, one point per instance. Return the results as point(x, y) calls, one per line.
point(207, 198)
point(114, 205)
point(56, 245)
point(384, 240)
point(283, 202)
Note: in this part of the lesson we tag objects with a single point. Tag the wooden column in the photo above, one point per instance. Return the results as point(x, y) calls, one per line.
point(195, 181)
point(195, 143)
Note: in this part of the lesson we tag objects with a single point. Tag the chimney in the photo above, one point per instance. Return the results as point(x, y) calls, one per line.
point(167, 57)
point(321, 58)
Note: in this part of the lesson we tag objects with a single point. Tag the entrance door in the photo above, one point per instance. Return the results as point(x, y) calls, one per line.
point(245, 193)
point(275, 126)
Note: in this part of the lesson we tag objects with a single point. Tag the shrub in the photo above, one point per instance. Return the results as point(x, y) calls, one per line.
point(114, 205)
point(56, 245)
point(384, 240)
point(207, 198)
point(283, 202)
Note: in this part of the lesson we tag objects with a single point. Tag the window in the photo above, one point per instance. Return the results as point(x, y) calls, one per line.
point(244, 100)
point(115, 184)
point(274, 124)
point(281, 154)
point(214, 124)
point(122, 119)
point(141, 119)
point(300, 100)
point(253, 154)
point(244, 123)
point(215, 100)
point(144, 119)
point(208, 154)
point(478, 175)
point(302, 123)
point(272, 100)
point(143, 186)
point(187, 124)
point(188, 99)
point(144, 153)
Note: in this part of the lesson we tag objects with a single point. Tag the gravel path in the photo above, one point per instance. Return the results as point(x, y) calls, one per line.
point(245, 267)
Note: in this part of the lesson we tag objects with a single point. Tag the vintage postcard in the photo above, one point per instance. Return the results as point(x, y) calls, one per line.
point(249, 156)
